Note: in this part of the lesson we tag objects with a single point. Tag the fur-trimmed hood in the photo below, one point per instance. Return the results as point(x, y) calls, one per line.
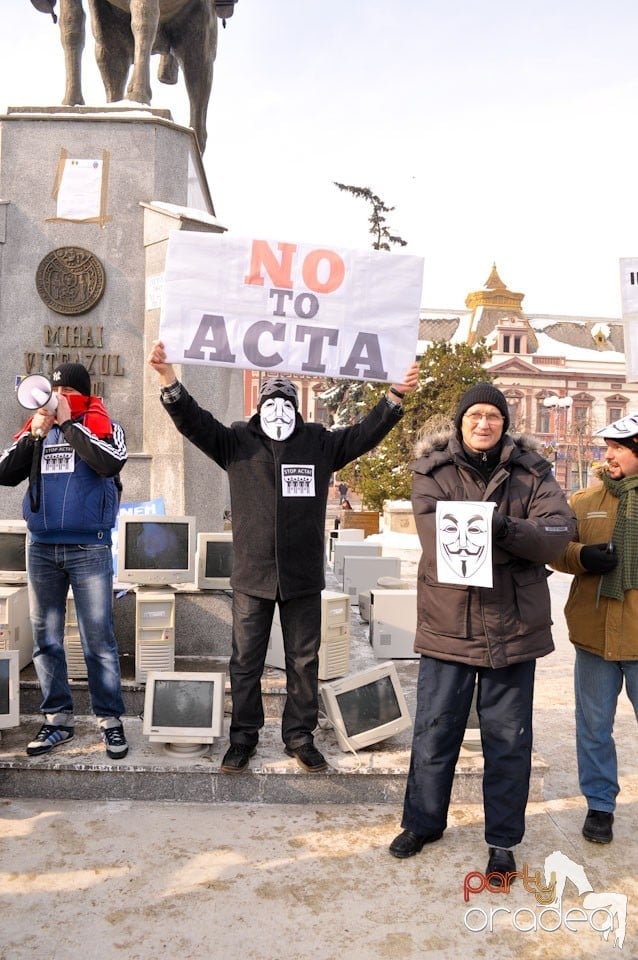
point(439, 440)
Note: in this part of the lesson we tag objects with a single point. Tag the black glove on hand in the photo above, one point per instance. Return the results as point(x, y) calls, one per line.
point(499, 525)
point(596, 559)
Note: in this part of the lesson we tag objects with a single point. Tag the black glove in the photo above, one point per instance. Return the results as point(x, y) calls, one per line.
point(597, 558)
point(499, 525)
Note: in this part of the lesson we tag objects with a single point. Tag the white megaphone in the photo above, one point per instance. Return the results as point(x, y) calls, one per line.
point(35, 392)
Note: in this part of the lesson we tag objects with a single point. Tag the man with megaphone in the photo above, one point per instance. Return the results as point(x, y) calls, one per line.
point(72, 453)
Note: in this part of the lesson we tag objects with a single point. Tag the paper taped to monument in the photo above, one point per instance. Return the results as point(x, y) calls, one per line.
point(629, 298)
point(290, 307)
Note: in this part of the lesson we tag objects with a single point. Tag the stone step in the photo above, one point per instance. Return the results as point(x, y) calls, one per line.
point(81, 770)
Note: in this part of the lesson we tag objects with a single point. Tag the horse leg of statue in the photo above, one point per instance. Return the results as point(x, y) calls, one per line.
point(196, 48)
point(72, 21)
point(144, 24)
point(113, 47)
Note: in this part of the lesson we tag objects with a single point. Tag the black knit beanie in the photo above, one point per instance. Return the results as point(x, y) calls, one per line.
point(278, 387)
point(482, 393)
point(73, 375)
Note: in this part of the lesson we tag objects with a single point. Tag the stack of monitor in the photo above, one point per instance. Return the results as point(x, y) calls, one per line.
point(158, 553)
point(162, 551)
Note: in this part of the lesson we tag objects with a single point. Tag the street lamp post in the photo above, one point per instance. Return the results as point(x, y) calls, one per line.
point(558, 405)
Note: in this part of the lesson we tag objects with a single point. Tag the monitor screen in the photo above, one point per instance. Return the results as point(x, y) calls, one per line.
point(156, 550)
point(366, 707)
point(184, 710)
point(182, 703)
point(9, 688)
point(13, 551)
point(373, 704)
point(214, 560)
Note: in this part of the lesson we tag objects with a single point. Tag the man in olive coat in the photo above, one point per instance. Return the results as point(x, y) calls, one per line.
point(602, 618)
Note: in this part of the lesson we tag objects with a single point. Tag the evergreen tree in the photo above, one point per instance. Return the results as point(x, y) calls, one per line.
point(446, 372)
point(378, 225)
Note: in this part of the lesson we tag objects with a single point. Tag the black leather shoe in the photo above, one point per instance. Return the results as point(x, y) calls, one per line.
point(308, 757)
point(407, 844)
point(597, 826)
point(236, 758)
point(500, 862)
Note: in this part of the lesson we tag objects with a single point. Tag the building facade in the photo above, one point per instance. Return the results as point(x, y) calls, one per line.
point(564, 377)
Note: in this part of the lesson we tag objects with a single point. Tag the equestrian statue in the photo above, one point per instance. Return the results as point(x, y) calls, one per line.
point(128, 32)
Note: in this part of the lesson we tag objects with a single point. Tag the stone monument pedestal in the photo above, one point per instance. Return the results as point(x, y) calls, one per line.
point(153, 181)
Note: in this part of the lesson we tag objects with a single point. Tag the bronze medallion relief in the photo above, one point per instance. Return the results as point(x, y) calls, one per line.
point(70, 280)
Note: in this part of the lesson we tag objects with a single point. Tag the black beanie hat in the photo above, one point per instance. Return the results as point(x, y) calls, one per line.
point(73, 375)
point(482, 393)
point(278, 387)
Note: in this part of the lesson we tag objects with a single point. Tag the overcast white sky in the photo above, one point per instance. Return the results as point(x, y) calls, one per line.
point(499, 131)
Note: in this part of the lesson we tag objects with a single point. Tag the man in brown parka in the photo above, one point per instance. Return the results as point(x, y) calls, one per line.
point(471, 635)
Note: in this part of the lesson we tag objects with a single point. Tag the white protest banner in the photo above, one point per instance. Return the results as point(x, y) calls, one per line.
point(291, 307)
point(629, 298)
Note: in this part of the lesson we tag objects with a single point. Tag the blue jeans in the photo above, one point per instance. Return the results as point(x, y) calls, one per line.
point(504, 706)
point(301, 629)
point(597, 684)
point(88, 569)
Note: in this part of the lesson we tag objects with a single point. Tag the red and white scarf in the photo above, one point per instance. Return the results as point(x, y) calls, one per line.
point(90, 410)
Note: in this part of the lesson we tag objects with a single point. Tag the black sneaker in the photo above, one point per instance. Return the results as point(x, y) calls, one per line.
point(236, 758)
point(48, 737)
point(597, 826)
point(115, 742)
point(308, 757)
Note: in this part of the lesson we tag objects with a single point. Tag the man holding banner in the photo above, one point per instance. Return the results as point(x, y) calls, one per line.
point(279, 469)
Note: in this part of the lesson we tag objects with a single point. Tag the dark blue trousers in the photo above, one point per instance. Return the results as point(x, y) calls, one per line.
point(301, 628)
point(504, 706)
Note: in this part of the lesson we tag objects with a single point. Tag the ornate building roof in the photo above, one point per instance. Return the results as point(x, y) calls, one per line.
point(495, 309)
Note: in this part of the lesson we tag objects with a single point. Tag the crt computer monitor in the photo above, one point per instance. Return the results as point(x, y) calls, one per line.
point(214, 560)
point(13, 551)
point(366, 707)
point(9, 688)
point(184, 710)
point(156, 550)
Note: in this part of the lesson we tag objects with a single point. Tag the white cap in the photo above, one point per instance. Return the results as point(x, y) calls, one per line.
point(621, 429)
